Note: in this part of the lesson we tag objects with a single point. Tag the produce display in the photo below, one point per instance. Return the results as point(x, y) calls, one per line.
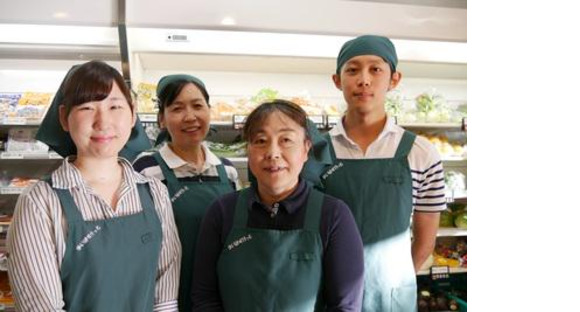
point(429, 107)
point(454, 216)
point(228, 150)
point(437, 300)
point(452, 253)
point(146, 98)
point(29, 105)
point(444, 146)
point(455, 181)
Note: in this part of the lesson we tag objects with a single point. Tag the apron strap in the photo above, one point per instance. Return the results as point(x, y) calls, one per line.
point(222, 173)
point(146, 198)
point(71, 211)
point(331, 147)
point(405, 145)
point(167, 172)
point(241, 210)
point(313, 211)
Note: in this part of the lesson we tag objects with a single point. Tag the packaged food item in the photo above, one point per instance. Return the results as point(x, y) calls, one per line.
point(8, 103)
point(22, 139)
point(146, 98)
point(33, 105)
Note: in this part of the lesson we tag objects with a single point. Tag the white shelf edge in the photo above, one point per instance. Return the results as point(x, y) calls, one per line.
point(448, 232)
point(5, 190)
point(431, 125)
point(29, 156)
point(451, 270)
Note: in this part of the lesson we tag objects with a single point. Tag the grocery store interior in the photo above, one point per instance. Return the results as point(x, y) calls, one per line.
point(245, 52)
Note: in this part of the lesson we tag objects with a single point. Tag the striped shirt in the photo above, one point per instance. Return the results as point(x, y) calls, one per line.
point(147, 165)
point(424, 160)
point(38, 232)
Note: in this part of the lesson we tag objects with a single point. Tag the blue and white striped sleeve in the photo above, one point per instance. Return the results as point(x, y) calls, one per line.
point(428, 177)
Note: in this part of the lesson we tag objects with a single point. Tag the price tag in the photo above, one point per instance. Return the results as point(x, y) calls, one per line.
point(11, 190)
point(333, 120)
point(239, 121)
point(148, 117)
point(14, 120)
point(11, 155)
point(439, 272)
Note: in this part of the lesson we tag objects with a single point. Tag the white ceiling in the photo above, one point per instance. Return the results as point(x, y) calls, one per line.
point(431, 20)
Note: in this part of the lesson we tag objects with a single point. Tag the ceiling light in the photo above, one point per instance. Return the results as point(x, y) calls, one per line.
point(228, 21)
point(60, 15)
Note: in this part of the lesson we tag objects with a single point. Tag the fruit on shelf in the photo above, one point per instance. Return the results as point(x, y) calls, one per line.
point(461, 220)
point(446, 219)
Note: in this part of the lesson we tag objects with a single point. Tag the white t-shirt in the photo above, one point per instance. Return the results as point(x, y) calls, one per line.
point(424, 160)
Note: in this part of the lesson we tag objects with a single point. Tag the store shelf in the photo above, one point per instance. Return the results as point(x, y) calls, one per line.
point(30, 156)
point(447, 232)
point(5, 190)
point(453, 126)
point(19, 121)
point(457, 159)
point(451, 270)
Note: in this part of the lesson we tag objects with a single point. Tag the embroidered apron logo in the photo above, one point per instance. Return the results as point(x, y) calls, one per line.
point(88, 237)
point(179, 193)
point(332, 170)
point(239, 241)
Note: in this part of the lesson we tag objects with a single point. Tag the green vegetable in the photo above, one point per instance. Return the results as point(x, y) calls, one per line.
point(461, 220)
point(264, 95)
point(446, 219)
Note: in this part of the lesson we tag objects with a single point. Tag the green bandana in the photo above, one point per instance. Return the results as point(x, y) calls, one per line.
point(368, 45)
point(52, 133)
point(167, 80)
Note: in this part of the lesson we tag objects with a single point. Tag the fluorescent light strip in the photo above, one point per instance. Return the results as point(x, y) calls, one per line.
point(278, 44)
point(56, 34)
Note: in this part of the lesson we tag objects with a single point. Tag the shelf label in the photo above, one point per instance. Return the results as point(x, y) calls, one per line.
point(318, 120)
point(11, 190)
point(239, 121)
point(439, 272)
point(11, 155)
point(148, 117)
point(14, 121)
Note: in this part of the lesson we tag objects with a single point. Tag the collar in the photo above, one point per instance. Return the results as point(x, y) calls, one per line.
point(67, 176)
point(291, 204)
point(339, 130)
point(174, 161)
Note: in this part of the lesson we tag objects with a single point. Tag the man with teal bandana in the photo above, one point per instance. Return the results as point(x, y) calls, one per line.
point(385, 174)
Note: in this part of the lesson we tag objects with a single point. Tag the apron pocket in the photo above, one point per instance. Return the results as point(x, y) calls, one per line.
point(393, 179)
point(146, 238)
point(301, 256)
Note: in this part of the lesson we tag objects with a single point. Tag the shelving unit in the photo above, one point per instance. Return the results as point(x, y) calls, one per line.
point(235, 74)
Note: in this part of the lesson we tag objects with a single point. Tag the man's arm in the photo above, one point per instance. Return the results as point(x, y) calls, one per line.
point(425, 225)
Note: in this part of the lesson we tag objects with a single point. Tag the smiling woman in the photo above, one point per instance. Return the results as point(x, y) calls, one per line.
point(279, 245)
point(104, 236)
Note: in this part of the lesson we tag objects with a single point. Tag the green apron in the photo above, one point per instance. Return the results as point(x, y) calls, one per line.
point(379, 193)
point(272, 270)
point(110, 265)
point(190, 201)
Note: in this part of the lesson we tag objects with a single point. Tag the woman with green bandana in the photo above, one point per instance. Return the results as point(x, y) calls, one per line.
point(279, 245)
point(94, 235)
point(385, 174)
point(194, 175)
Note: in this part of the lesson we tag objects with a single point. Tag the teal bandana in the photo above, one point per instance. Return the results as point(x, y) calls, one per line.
point(368, 45)
point(52, 133)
